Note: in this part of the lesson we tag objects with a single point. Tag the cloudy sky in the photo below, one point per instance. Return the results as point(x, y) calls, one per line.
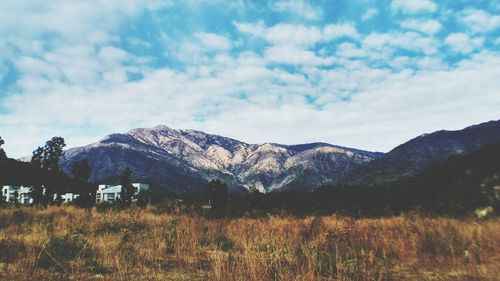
point(364, 74)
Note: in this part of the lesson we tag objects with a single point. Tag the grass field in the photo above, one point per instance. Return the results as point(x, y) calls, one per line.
point(67, 243)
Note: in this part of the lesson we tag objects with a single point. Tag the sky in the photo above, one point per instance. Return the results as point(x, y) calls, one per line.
point(368, 74)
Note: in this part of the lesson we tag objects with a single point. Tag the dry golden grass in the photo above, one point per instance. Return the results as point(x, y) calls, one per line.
point(66, 243)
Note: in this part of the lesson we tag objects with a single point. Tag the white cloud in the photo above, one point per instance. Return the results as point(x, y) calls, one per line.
point(408, 40)
point(213, 41)
point(292, 55)
point(197, 48)
point(350, 50)
point(480, 21)
point(369, 14)
point(461, 43)
point(299, 8)
point(381, 106)
point(298, 34)
point(390, 109)
point(430, 26)
point(413, 6)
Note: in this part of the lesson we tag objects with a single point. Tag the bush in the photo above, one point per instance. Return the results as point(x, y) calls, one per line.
point(10, 250)
point(219, 242)
point(104, 206)
point(170, 235)
point(59, 251)
point(127, 250)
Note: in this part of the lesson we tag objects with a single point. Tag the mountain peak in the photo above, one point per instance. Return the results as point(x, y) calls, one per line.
point(184, 160)
point(161, 127)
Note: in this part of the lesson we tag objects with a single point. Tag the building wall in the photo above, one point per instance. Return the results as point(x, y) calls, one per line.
point(105, 192)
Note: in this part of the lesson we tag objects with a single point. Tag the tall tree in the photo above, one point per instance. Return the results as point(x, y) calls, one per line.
point(37, 188)
point(127, 187)
point(81, 171)
point(3, 156)
point(52, 151)
point(47, 158)
point(216, 192)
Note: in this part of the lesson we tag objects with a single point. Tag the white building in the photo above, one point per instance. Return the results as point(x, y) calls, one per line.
point(105, 192)
point(21, 193)
point(67, 197)
point(111, 193)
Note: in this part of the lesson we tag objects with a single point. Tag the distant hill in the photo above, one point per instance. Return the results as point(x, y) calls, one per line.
point(414, 156)
point(463, 181)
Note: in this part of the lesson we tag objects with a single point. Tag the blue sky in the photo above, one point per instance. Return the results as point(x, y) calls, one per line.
point(366, 74)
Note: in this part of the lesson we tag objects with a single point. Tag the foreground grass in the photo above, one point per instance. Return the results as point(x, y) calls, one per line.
point(66, 243)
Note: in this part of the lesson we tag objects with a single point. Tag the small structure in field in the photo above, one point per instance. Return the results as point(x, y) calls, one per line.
point(67, 197)
point(111, 193)
point(20, 194)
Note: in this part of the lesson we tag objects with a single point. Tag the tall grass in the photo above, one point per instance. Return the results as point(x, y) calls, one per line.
point(61, 243)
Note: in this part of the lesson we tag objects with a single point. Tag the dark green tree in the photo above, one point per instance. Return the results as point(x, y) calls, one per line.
point(81, 171)
point(37, 189)
point(217, 194)
point(127, 188)
point(47, 158)
point(3, 156)
point(53, 151)
point(14, 198)
point(143, 198)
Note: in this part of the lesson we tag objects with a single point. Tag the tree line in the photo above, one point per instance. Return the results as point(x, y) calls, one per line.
point(47, 180)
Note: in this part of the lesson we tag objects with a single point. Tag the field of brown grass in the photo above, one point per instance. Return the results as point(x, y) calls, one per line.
point(67, 243)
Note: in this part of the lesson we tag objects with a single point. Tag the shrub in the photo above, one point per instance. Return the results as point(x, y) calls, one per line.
point(170, 235)
point(219, 242)
point(127, 250)
point(19, 216)
point(104, 206)
point(61, 250)
point(10, 250)
point(315, 229)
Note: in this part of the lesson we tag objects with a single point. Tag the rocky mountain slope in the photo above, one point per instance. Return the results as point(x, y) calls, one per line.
point(414, 156)
point(183, 160)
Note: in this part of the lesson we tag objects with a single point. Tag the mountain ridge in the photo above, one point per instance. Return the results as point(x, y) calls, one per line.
point(414, 155)
point(183, 154)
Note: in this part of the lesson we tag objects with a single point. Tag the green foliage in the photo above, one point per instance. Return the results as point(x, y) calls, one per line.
point(61, 250)
point(81, 171)
point(217, 194)
point(171, 235)
point(10, 250)
point(2, 152)
point(143, 198)
point(127, 189)
point(104, 206)
point(127, 250)
point(47, 158)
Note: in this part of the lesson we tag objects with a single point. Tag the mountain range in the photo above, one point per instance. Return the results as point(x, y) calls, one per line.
point(415, 155)
point(183, 160)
